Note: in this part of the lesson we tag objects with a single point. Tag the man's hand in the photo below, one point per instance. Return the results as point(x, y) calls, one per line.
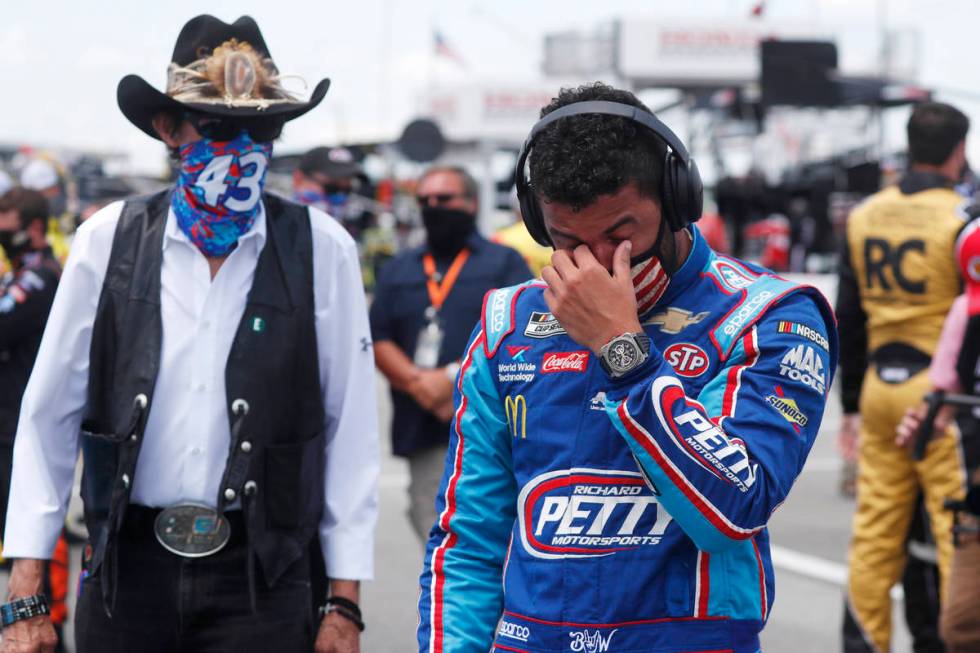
point(337, 635)
point(847, 437)
point(444, 411)
point(431, 388)
point(908, 428)
point(34, 635)
point(593, 306)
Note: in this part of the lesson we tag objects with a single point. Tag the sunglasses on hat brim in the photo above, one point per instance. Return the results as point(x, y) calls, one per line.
point(216, 128)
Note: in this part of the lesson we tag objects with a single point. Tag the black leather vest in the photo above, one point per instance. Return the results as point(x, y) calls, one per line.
point(274, 399)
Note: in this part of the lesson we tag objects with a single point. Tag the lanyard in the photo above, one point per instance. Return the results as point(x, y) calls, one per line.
point(439, 291)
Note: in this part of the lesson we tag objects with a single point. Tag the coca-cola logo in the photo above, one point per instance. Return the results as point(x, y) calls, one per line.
point(566, 361)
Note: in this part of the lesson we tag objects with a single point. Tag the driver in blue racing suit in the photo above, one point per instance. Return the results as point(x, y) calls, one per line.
point(625, 426)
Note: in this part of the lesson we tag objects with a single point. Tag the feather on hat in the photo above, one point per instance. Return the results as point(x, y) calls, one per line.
point(218, 69)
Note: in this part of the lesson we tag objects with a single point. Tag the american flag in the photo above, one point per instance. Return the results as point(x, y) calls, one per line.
point(444, 49)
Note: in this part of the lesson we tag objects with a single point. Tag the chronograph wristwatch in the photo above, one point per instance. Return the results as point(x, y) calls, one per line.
point(624, 353)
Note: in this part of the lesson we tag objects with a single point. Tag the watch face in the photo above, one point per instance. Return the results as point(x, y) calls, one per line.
point(623, 355)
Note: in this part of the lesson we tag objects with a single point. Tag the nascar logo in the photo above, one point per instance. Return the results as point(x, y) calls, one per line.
point(542, 325)
point(803, 331)
point(586, 513)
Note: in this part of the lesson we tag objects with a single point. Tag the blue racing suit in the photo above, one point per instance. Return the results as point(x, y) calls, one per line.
point(583, 513)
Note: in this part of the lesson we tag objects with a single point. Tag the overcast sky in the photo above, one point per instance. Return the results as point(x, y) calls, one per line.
point(60, 61)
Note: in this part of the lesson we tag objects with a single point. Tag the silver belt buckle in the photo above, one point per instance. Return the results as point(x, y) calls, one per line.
point(192, 531)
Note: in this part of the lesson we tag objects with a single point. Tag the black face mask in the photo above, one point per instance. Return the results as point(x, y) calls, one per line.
point(447, 229)
point(15, 243)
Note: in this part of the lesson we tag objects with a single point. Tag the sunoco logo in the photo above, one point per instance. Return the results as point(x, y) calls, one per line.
point(789, 409)
point(745, 312)
point(584, 513)
point(514, 631)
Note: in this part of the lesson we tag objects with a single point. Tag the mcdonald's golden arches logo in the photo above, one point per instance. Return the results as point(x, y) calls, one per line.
point(516, 410)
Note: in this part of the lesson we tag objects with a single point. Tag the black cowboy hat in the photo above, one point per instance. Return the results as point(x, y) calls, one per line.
point(218, 69)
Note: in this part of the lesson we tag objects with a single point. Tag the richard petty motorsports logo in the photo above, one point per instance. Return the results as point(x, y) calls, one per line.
point(731, 276)
point(705, 443)
point(586, 513)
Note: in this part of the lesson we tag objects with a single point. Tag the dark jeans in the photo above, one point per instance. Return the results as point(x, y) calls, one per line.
point(169, 604)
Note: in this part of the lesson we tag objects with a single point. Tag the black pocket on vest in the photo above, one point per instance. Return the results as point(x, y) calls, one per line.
point(294, 483)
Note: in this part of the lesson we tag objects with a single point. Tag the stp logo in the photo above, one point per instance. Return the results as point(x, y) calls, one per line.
point(566, 361)
point(687, 359)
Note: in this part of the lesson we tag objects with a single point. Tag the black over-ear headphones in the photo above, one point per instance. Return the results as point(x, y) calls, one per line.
point(682, 191)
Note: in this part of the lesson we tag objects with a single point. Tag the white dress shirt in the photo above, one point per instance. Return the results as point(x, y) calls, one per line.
point(187, 436)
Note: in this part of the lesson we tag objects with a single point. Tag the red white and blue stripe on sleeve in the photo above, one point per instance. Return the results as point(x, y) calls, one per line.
point(723, 462)
point(461, 596)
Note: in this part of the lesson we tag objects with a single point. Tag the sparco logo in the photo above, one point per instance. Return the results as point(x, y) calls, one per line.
point(591, 641)
point(498, 312)
point(584, 513)
point(745, 312)
point(570, 361)
point(514, 631)
point(687, 359)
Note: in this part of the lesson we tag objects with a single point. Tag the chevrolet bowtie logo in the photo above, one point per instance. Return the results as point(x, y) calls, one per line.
point(675, 320)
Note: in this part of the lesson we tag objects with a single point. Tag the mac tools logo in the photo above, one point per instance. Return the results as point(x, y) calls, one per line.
point(802, 364)
point(687, 359)
point(590, 641)
point(586, 513)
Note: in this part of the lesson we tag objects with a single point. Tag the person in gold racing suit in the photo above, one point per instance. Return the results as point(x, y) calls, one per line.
point(898, 280)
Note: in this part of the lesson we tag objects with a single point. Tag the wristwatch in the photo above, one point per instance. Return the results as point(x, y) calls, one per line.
point(624, 353)
point(25, 608)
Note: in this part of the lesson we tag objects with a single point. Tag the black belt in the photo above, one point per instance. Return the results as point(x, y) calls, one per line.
point(898, 362)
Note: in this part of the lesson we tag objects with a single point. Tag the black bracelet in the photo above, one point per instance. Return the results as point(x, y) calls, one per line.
point(347, 604)
point(347, 614)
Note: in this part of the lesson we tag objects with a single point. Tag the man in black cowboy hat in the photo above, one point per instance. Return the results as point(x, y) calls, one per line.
point(206, 352)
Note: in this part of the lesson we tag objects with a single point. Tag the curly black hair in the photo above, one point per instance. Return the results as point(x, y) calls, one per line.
point(578, 158)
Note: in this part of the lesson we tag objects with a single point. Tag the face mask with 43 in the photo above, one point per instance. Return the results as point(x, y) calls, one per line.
point(218, 191)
